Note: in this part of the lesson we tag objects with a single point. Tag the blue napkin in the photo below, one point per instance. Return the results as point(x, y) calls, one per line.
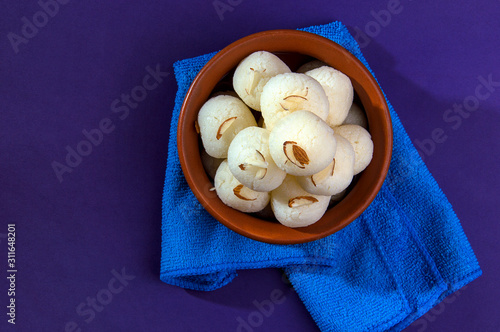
point(405, 253)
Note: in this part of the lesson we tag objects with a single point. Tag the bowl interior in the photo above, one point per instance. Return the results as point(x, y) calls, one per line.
point(295, 48)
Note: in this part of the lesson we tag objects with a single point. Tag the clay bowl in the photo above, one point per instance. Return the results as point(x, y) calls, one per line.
point(295, 48)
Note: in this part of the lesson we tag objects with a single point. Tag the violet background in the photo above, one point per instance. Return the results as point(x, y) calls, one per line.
point(106, 214)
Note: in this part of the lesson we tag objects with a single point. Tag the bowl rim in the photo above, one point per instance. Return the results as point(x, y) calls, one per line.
point(234, 50)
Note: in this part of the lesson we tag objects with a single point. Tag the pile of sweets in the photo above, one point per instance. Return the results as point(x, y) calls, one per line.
point(302, 154)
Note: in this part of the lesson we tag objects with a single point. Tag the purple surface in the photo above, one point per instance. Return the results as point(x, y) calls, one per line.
point(73, 236)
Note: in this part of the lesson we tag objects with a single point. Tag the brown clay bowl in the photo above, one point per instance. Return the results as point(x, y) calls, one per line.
point(295, 48)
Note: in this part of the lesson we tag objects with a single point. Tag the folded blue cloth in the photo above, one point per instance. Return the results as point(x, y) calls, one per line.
point(387, 268)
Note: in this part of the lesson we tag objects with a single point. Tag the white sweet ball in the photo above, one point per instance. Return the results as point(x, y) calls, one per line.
point(337, 176)
point(252, 74)
point(339, 90)
point(286, 93)
point(302, 144)
point(250, 161)
point(356, 116)
point(361, 141)
point(232, 193)
point(210, 164)
point(310, 66)
point(219, 120)
point(294, 207)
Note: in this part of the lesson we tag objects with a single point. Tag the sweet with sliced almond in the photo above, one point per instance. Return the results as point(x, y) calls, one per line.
point(234, 194)
point(337, 176)
point(290, 92)
point(295, 207)
point(250, 161)
point(302, 144)
point(219, 120)
point(252, 74)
